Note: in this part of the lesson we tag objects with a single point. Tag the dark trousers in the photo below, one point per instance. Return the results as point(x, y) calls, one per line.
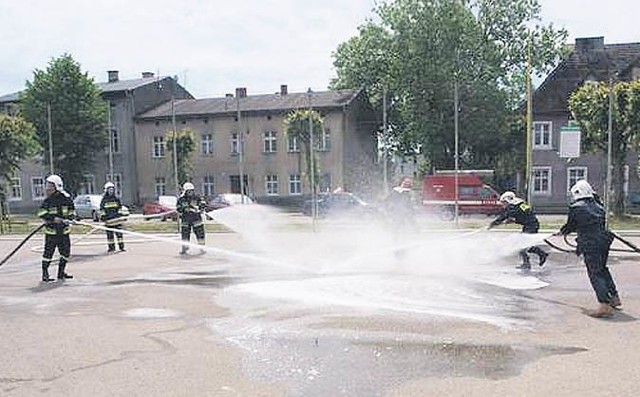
point(524, 254)
point(198, 230)
point(118, 236)
point(599, 275)
point(52, 241)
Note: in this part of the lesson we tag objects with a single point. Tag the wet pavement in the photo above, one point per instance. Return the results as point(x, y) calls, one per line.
point(276, 310)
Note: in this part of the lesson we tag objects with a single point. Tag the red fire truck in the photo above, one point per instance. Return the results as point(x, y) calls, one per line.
point(474, 196)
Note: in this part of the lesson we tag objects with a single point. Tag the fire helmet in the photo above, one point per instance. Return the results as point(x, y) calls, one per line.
point(510, 198)
point(581, 190)
point(109, 185)
point(57, 182)
point(188, 186)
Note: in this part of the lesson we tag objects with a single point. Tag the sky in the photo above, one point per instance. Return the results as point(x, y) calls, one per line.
point(214, 46)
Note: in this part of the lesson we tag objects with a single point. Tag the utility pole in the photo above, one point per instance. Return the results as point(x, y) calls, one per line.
point(609, 191)
point(529, 130)
point(456, 101)
point(110, 141)
point(240, 148)
point(314, 206)
point(384, 140)
point(50, 138)
point(175, 144)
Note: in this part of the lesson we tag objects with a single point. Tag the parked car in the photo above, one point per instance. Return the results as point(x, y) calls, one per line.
point(165, 205)
point(88, 206)
point(336, 204)
point(224, 200)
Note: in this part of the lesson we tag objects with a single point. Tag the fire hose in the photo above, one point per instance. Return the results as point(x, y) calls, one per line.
point(633, 247)
point(34, 231)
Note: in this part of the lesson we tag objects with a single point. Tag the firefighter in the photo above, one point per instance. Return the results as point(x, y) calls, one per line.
point(587, 218)
point(399, 207)
point(518, 211)
point(57, 211)
point(189, 206)
point(112, 213)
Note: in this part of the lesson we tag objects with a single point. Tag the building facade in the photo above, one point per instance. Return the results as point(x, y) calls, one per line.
point(126, 99)
point(245, 135)
point(552, 175)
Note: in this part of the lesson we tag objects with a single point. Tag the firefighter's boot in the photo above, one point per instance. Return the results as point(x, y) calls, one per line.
point(603, 310)
point(61, 273)
point(45, 272)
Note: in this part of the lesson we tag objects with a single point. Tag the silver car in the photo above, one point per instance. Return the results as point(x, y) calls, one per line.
point(88, 206)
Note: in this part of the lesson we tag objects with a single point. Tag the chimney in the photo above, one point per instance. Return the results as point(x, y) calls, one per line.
point(147, 75)
point(283, 89)
point(113, 76)
point(585, 44)
point(241, 92)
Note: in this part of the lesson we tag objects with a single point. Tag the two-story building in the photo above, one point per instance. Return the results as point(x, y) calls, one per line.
point(590, 60)
point(270, 163)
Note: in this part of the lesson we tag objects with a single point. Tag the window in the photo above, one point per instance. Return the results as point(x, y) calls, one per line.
point(88, 185)
point(161, 186)
point(15, 189)
point(574, 174)
point(235, 143)
point(270, 142)
point(158, 147)
point(207, 186)
point(323, 142)
point(115, 140)
point(542, 180)
point(295, 185)
point(117, 181)
point(271, 185)
point(542, 134)
point(292, 144)
point(37, 188)
point(206, 145)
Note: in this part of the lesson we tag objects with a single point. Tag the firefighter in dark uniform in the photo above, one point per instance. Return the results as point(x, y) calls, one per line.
point(587, 218)
point(518, 211)
point(57, 210)
point(399, 208)
point(112, 213)
point(189, 206)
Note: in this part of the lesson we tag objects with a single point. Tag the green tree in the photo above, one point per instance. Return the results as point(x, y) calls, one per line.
point(17, 143)
point(297, 126)
point(589, 105)
point(185, 145)
point(420, 49)
point(78, 118)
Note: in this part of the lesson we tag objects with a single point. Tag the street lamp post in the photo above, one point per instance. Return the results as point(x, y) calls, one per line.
point(314, 204)
point(456, 101)
point(50, 138)
point(384, 140)
point(175, 139)
point(110, 131)
point(240, 147)
point(608, 192)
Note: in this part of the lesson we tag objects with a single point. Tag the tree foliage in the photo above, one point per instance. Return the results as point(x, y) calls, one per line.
point(185, 145)
point(589, 105)
point(17, 143)
point(420, 49)
point(78, 118)
point(297, 125)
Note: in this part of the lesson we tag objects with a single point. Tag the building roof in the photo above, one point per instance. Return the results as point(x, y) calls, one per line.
point(125, 85)
point(15, 97)
point(105, 87)
point(590, 60)
point(269, 102)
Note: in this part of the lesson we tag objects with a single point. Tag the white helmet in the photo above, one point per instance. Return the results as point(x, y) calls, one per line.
point(510, 198)
point(188, 186)
point(581, 189)
point(57, 182)
point(109, 185)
